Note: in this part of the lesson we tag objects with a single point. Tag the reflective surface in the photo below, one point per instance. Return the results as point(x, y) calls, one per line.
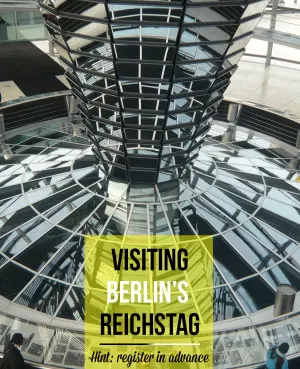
point(242, 189)
point(21, 25)
point(148, 75)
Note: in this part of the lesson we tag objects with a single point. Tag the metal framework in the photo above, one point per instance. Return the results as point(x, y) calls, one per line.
point(149, 75)
point(241, 192)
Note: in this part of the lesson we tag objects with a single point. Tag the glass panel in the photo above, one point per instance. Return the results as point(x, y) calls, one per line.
point(73, 308)
point(239, 45)
point(30, 25)
point(225, 305)
point(238, 348)
point(250, 292)
point(283, 274)
point(43, 295)
point(204, 34)
point(10, 285)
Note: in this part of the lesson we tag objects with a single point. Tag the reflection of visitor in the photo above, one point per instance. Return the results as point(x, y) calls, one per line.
point(276, 357)
point(51, 18)
point(13, 358)
point(3, 29)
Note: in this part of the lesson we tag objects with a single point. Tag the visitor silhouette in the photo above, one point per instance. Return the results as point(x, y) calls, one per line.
point(276, 357)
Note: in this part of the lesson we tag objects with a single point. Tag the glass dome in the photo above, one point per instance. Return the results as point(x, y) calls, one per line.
point(243, 191)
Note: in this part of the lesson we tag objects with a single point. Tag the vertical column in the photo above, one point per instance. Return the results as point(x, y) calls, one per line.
point(71, 106)
point(2, 127)
point(73, 114)
point(272, 27)
point(171, 84)
point(51, 47)
point(31, 18)
point(298, 140)
point(284, 300)
point(233, 113)
point(294, 162)
point(16, 26)
point(232, 117)
point(4, 148)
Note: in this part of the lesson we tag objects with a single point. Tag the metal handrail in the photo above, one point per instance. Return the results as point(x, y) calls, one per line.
point(27, 99)
point(276, 114)
point(262, 107)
